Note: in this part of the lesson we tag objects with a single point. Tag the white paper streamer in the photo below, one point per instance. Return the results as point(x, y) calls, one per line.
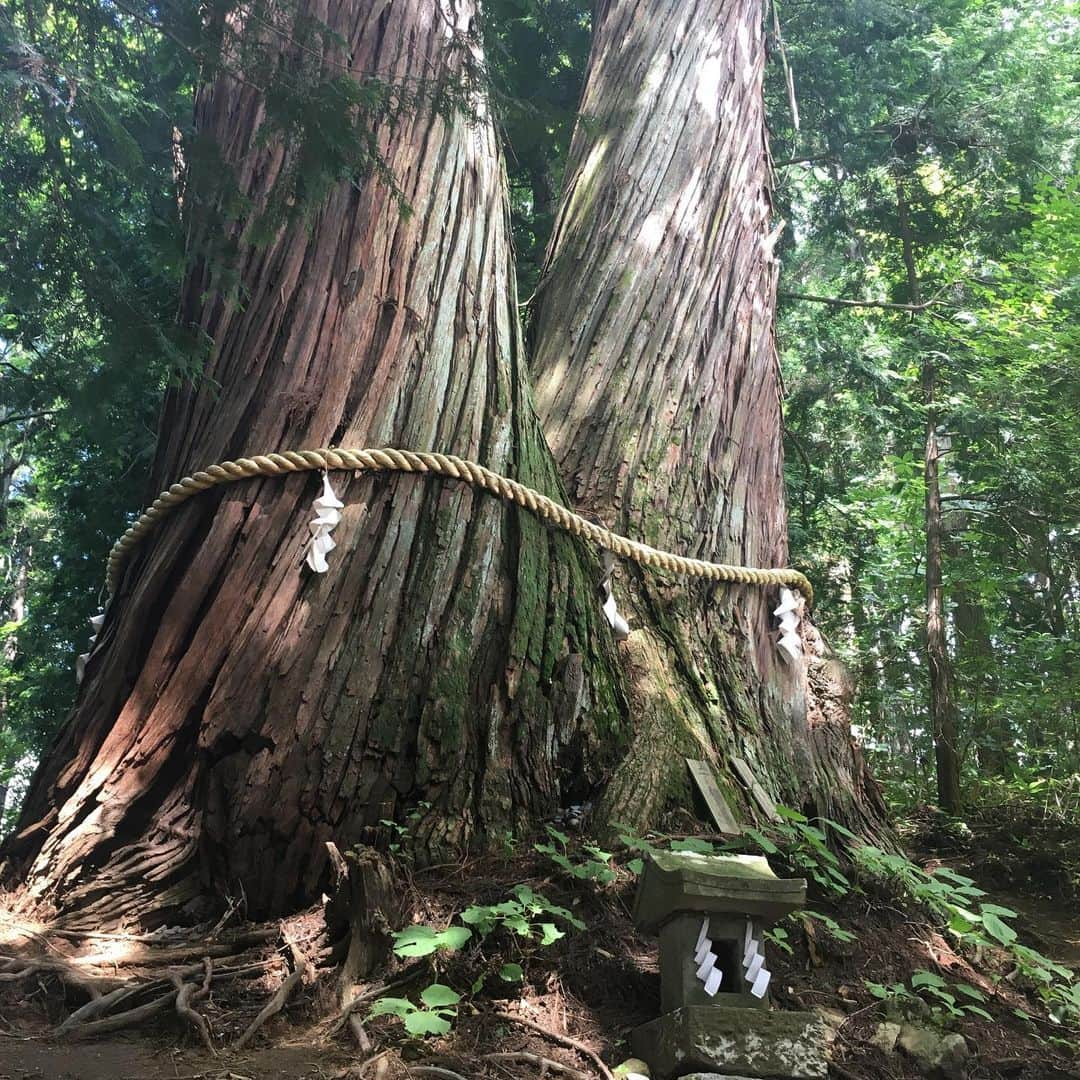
point(790, 644)
point(703, 934)
point(755, 966)
point(619, 626)
point(712, 983)
point(327, 515)
point(752, 949)
point(761, 983)
point(96, 623)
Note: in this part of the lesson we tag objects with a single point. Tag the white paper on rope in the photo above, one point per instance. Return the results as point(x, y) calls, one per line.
point(327, 509)
point(790, 644)
point(712, 983)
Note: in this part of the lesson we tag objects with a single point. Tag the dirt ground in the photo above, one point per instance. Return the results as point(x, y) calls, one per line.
point(588, 988)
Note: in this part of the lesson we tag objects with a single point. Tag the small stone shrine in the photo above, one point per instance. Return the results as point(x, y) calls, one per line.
point(711, 913)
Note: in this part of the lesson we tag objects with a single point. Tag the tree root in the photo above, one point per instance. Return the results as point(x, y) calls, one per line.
point(562, 1040)
point(16, 968)
point(353, 1004)
point(83, 1023)
point(302, 971)
point(186, 996)
point(545, 1065)
point(124, 1019)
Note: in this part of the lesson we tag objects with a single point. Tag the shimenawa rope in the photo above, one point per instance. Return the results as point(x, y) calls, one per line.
point(407, 461)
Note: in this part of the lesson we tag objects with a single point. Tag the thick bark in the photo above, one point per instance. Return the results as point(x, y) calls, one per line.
point(939, 663)
point(240, 711)
point(658, 385)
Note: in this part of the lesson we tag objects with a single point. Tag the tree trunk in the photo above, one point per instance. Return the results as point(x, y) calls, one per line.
point(241, 711)
point(658, 385)
point(939, 664)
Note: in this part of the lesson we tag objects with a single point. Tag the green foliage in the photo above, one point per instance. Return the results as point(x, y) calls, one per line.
point(589, 864)
point(944, 1004)
point(421, 940)
point(971, 111)
point(434, 1016)
point(951, 897)
point(523, 916)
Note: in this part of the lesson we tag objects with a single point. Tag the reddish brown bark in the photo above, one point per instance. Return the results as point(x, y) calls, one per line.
point(658, 385)
point(240, 711)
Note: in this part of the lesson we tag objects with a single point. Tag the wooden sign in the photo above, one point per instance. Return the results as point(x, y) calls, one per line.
point(761, 796)
point(719, 811)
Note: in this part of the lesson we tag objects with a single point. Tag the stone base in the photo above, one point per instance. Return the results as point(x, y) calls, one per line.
point(746, 1043)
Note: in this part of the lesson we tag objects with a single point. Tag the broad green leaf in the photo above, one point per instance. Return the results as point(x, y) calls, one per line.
point(438, 994)
point(426, 1023)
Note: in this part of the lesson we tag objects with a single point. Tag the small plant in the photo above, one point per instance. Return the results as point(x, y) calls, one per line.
point(595, 867)
point(434, 1016)
point(519, 916)
point(832, 927)
point(421, 940)
point(806, 848)
point(779, 937)
point(933, 989)
point(400, 833)
point(952, 898)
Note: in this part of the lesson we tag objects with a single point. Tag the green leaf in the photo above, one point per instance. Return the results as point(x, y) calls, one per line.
point(1004, 912)
point(996, 928)
point(437, 995)
point(550, 933)
point(927, 978)
point(761, 840)
point(511, 973)
point(416, 941)
point(426, 1023)
point(693, 844)
point(392, 1006)
point(424, 940)
point(635, 866)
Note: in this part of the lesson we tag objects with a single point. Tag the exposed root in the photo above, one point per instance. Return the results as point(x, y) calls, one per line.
point(302, 971)
point(186, 996)
point(353, 1004)
point(545, 1065)
point(125, 1019)
point(81, 1023)
point(363, 1040)
point(15, 968)
point(562, 1040)
point(436, 1071)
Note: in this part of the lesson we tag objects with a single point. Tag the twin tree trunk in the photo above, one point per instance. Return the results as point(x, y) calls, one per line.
point(240, 711)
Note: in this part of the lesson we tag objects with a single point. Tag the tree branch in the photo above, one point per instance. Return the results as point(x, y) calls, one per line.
point(837, 301)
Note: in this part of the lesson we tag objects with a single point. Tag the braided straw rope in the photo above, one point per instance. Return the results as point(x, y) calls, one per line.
point(406, 461)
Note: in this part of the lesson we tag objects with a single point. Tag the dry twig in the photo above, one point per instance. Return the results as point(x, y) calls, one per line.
point(301, 969)
point(545, 1065)
point(562, 1040)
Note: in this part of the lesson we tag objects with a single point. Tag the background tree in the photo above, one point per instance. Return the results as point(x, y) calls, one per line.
point(972, 110)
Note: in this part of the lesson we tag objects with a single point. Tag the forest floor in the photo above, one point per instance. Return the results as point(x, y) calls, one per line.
point(567, 1016)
